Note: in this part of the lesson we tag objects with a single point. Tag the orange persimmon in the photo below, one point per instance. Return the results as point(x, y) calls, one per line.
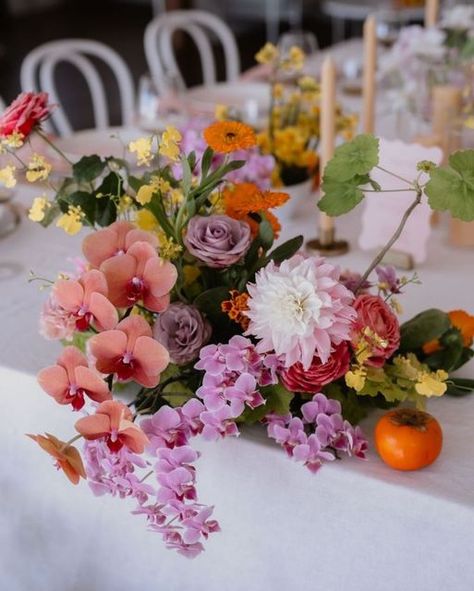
point(408, 439)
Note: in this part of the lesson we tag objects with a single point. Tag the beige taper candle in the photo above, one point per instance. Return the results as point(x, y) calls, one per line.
point(431, 13)
point(328, 137)
point(370, 66)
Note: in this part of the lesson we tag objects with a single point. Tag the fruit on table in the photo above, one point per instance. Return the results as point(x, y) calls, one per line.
point(408, 439)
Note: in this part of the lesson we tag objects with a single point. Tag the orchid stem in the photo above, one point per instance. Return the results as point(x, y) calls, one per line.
point(71, 441)
point(45, 138)
point(392, 240)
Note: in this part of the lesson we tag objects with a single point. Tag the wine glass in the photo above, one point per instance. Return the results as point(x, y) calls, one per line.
point(305, 40)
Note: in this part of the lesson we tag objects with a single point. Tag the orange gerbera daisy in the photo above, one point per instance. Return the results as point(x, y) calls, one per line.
point(229, 136)
point(460, 320)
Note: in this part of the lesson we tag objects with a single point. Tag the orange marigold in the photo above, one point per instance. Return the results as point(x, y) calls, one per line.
point(460, 320)
point(245, 198)
point(229, 136)
point(235, 307)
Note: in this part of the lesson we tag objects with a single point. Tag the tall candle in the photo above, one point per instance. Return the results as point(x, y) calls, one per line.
point(431, 13)
point(370, 65)
point(328, 136)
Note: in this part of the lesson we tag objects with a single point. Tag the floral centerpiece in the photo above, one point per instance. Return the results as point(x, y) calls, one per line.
point(183, 298)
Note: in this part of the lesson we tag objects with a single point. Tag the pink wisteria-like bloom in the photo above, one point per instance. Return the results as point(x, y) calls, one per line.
point(318, 435)
point(299, 309)
point(71, 380)
point(56, 323)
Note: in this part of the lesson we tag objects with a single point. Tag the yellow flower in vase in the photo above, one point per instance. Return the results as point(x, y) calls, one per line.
point(7, 176)
point(267, 55)
point(38, 208)
point(71, 222)
point(142, 148)
point(38, 169)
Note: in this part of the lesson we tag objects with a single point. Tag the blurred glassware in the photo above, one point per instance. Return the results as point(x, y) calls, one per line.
point(155, 111)
point(148, 100)
point(352, 76)
point(389, 23)
point(305, 40)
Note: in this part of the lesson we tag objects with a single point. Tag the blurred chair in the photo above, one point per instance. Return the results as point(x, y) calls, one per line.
point(200, 25)
point(37, 74)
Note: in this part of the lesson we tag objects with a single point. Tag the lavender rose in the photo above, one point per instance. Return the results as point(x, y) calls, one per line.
point(183, 331)
point(217, 240)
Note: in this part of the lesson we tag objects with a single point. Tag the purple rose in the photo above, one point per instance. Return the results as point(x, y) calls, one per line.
point(183, 331)
point(217, 240)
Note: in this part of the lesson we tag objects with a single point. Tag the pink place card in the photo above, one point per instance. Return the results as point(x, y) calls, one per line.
point(383, 211)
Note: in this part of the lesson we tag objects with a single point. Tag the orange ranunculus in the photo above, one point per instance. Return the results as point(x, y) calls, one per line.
point(68, 459)
point(229, 136)
point(460, 320)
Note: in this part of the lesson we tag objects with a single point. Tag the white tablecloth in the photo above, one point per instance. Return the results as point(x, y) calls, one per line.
point(354, 526)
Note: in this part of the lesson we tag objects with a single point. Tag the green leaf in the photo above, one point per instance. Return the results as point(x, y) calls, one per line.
point(111, 185)
point(87, 202)
point(265, 233)
point(278, 400)
point(340, 197)
point(460, 387)
point(451, 187)
point(448, 357)
point(206, 161)
point(356, 157)
point(466, 355)
point(354, 407)
point(209, 302)
point(88, 168)
point(187, 175)
point(286, 250)
point(106, 212)
point(157, 209)
point(50, 214)
point(421, 329)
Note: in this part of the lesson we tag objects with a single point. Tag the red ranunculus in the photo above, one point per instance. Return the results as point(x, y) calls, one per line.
point(373, 312)
point(296, 379)
point(25, 113)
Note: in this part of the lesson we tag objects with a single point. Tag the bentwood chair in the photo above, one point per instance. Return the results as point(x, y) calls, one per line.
point(202, 27)
point(38, 74)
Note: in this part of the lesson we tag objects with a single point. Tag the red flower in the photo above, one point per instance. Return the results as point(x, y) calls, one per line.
point(384, 336)
point(26, 112)
point(296, 379)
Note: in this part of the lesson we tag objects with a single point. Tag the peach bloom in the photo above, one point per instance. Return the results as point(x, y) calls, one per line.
point(71, 379)
point(130, 352)
point(114, 240)
point(86, 300)
point(140, 275)
point(113, 422)
point(68, 459)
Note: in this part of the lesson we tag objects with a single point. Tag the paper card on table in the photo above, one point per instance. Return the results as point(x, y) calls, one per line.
point(383, 211)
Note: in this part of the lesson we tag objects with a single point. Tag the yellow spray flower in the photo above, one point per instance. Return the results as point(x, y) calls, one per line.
point(267, 55)
point(145, 220)
point(7, 176)
point(309, 84)
point(355, 378)
point(142, 148)
point(13, 141)
point(169, 249)
point(145, 193)
point(221, 112)
point(71, 222)
point(38, 169)
point(38, 209)
point(169, 143)
point(294, 60)
point(124, 204)
point(190, 274)
point(277, 91)
point(432, 383)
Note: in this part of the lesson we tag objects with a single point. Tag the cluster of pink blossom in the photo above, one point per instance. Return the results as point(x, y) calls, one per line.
point(318, 435)
point(176, 514)
point(233, 374)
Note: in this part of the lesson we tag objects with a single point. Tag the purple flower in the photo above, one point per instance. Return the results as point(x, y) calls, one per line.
point(388, 280)
point(183, 331)
point(217, 240)
point(351, 280)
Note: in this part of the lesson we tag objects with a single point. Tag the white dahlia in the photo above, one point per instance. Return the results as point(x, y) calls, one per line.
point(299, 309)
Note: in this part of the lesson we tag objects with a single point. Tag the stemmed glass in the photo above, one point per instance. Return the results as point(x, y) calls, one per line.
point(305, 40)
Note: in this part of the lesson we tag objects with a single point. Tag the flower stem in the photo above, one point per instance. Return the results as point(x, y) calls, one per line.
point(392, 240)
point(394, 175)
point(71, 441)
point(45, 138)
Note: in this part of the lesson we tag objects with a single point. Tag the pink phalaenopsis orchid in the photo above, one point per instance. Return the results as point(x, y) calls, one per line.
point(86, 301)
point(114, 241)
point(112, 422)
point(130, 352)
point(70, 380)
point(140, 275)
